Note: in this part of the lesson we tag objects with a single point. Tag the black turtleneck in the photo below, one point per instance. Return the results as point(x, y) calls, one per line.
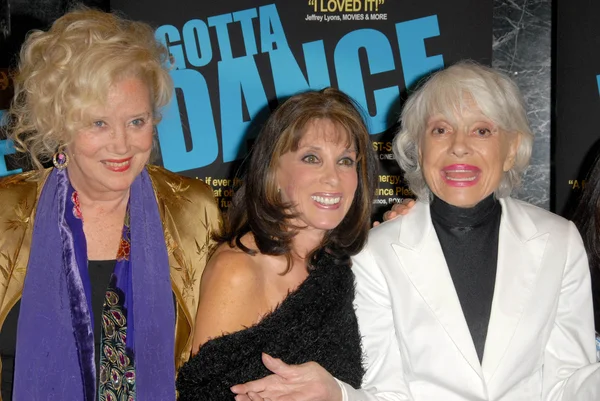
point(469, 239)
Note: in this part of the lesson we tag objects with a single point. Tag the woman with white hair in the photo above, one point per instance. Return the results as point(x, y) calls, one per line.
point(472, 295)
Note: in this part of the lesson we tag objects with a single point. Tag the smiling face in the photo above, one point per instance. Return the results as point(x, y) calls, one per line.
point(108, 155)
point(319, 178)
point(463, 159)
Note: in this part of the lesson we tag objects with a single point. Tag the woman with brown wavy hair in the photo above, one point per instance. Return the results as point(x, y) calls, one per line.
point(280, 281)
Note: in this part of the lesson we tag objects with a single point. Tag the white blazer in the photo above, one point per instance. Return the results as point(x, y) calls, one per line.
point(540, 342)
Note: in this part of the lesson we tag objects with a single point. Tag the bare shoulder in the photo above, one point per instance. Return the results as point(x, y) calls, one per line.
point(231, 295)
point(232, 269)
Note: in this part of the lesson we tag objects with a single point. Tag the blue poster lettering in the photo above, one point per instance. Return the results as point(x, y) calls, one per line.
point(169, 36)
point(411, 35)
point(272, 36)
point(201, 125)
point(6, 148)
point(220, 23)
point(287, 76)
point(242, 94)
point(236, 89)
point(197, 43)
point(350, 76)
point(245, 18)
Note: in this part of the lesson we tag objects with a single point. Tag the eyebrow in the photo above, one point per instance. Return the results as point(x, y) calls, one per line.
point(135, 115)
point(312, 147)
point(144, 114)
point(443, 119)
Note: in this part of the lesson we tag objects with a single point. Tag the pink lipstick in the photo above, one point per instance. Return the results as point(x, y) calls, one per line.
point(327, 200)
point(461, 175)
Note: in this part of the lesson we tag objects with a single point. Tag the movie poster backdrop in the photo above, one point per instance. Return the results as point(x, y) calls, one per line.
point(235, 60)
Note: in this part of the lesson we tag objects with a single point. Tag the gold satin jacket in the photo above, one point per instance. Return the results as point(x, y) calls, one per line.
point(189, 215)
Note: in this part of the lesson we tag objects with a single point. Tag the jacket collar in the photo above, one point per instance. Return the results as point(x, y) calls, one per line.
point(520, 250)
point(417, 224)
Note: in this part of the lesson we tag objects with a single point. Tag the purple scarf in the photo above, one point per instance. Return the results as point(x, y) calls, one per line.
point(55, 344)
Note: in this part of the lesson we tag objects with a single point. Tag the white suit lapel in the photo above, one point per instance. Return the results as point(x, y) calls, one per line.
point(520, 251)
point(422, 258)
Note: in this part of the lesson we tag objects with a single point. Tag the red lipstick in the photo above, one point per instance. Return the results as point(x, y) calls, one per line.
point(117, 165)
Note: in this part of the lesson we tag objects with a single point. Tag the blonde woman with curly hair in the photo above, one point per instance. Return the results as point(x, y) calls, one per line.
point(104, 251)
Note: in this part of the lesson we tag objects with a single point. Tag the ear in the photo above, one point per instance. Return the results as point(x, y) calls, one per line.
point(274, 183)
point(514, 141)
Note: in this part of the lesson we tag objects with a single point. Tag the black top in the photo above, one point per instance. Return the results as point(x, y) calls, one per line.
point(316, 322)
point(100, 272)
point(469, 240)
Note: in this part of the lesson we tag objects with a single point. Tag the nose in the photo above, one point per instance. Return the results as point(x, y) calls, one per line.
point(119, 141)
point(459, 146)
point(330, 174)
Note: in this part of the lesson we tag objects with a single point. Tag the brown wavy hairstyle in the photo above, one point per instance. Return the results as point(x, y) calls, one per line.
point(71, 67)
point(257, 206)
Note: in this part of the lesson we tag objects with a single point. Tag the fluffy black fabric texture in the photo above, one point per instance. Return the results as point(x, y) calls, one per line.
point(316, 322)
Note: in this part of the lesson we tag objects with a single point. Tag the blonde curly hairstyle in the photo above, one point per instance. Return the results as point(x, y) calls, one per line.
point(65, 71)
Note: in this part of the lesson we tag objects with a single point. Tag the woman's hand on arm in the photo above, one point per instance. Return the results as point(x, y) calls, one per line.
point(398, 209)
point(306, 382)
point(384, 379)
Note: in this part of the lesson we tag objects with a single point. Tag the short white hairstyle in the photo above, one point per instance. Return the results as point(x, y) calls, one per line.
point(450, 91)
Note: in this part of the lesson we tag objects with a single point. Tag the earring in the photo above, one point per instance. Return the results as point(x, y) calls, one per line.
point(60, 160)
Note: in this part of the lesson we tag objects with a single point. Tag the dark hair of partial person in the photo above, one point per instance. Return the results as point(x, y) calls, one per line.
point(587, 219)
point(257, 206)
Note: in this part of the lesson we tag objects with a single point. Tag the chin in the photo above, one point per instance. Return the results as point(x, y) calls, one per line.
point(327, 225)
point(118, 185)
point(120, 178)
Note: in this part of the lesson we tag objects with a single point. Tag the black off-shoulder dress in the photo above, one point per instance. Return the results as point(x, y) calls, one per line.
point(316, 322)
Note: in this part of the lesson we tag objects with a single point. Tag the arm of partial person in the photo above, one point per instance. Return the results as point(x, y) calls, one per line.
point(398, 209)
point(570, 372)
point(384, 379)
